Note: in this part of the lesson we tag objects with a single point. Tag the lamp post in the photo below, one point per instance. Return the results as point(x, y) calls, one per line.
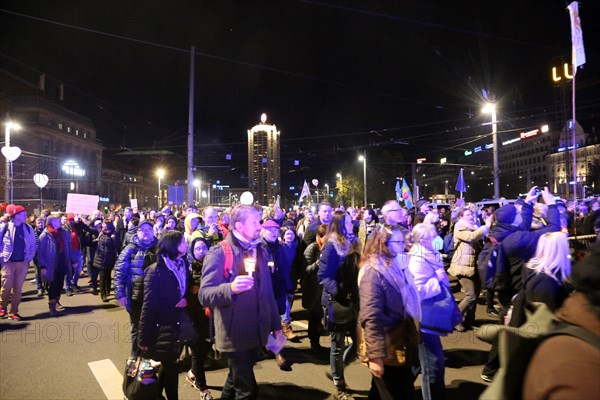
point(363, 159)
point(11, 154)
point(339, 175)
point(491, 108)
point(160, 173)
point(327, 187)
point(197, 183)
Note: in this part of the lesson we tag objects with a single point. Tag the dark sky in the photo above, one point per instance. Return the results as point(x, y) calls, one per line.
point(335, 77)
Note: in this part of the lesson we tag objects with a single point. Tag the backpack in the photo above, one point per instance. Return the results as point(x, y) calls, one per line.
point(516, 347)
point(486, 263)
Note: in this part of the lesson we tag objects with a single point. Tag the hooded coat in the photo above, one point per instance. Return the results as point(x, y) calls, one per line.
point(466, 243)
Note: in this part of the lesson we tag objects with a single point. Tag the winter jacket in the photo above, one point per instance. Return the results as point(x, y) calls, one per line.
point(517, 248)
point(160, 319)
point(423, 264)
point(311, 289)
point(338, 272)
point(47, 253)
point(242, 321)
point(106, 253)
point(467, 240)
point(7, 242)
point(194, 308)
point(537, 288)
point(130, 267)
point(565, 367)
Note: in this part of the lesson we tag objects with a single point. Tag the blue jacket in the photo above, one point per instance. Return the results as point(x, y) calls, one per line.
point(129, 269)
point(48, 251)
point(242, 321)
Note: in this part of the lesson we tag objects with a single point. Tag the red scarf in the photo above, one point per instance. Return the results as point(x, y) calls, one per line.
point(57, 235)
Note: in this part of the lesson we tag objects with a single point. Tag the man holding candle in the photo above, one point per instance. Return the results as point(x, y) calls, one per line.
point(241, 299)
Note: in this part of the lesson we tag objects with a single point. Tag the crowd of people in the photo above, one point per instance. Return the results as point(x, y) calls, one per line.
point(228, 277)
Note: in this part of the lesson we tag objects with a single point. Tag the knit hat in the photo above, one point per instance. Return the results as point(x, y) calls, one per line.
point(70, 217)
point(506, 214)
point(270, 224)
point(146, 222)
point(13, 209)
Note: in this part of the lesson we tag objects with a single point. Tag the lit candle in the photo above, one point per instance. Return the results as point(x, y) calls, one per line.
point(249, 264)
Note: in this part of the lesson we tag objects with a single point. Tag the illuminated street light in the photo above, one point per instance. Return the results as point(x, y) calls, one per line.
point(11, 154)
point(327, 186)
point(160, 173)
point(491, 108)
point(363, 159)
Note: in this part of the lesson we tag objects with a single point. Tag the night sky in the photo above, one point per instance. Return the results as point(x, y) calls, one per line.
point(397, 79)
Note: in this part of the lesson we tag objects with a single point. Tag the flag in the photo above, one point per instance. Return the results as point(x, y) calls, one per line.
point(305, 191)
point(277, 204)
point(460, 184)
point(398, 190)
point(578, 55)
point(406, 195)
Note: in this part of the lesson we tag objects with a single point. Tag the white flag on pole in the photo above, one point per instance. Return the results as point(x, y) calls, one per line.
point(578, 56)
point(305, 191)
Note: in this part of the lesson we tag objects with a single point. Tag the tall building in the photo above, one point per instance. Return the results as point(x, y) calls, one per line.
point(264, 170)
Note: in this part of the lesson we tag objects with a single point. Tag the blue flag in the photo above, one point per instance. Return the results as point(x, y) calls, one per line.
point(406, 195)
point(398, 190)
point(460, 184)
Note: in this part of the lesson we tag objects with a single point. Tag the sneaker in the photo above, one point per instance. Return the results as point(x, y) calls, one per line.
point(492, 312)
point(3, 312)
point(487, 378)
point(341, 393)
point(40, 293)
point(205, 395)
point(191, 379)
point(69, 292)
point(281, 363)
point(76, 288)
point(14, 316)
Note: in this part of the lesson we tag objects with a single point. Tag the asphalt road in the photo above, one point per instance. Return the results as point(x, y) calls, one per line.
point(82, 354)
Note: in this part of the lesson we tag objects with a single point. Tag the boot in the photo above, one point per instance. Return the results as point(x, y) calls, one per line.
point(52, 307)
point(288, 331)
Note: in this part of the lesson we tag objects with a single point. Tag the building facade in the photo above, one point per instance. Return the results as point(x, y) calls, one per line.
point(264, 170)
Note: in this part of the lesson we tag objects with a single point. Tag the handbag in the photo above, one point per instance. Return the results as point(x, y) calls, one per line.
point(336, 313)
point(440, 313)
point(401, 345)
point(140, 381)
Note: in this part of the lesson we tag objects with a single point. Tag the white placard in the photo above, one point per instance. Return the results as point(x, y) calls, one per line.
point(133, 203)
point(82, 203)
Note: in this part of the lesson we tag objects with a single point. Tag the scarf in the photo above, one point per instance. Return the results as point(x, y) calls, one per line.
point(247, 246)
point(178, 268)
point(57, 236)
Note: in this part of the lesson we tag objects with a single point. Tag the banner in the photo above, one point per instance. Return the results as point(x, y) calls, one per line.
point(578, 56)
point(82, 203)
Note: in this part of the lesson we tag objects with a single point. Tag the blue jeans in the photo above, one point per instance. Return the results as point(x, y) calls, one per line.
point(240, 383)
point(431, 357)
point(340, 354)
point(77, 254)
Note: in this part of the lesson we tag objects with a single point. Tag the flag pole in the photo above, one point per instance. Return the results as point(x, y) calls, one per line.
point(574, 137)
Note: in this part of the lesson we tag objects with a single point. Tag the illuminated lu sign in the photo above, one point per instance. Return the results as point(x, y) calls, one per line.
point(72, 168)
point(566, 70)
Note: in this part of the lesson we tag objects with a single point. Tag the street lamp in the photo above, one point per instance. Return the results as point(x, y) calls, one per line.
point(11, 154)
point(160, 173)
point(339, 175)
point(491, 108)
point(363, 159)
point(327, 187)
point(197, 184)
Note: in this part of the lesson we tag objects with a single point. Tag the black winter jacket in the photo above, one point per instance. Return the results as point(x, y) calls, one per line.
point(130, 267)
point(106, 252)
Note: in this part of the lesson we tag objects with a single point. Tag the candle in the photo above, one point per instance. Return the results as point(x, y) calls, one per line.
point(249, 264)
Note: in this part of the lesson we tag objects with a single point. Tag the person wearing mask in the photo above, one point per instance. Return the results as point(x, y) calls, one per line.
point(18, 249)
point(388, 298)
point(427, 268)
point(196, 376)
point(338, 272)
point(165, 286)
point(129, 276)
point(241, 299)
point(55, 256)
point(467, 242)
point(105, 257)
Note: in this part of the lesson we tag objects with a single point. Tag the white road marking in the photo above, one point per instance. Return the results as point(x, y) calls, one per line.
point(109, 378)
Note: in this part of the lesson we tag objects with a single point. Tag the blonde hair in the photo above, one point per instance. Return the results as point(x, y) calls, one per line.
point(422, 231)
point(552, 257)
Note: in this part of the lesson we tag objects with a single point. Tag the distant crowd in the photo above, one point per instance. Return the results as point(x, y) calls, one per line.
point(224, 280)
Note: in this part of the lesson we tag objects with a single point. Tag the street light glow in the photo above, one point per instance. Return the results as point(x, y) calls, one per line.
point(361, 158)
point(489, 108)
point(160, 173)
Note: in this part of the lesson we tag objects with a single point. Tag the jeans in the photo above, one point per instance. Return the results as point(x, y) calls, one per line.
point(13, 278)
point(240, 383)
point(431, 357)
point(285, 318)
point(467, 305)
point(340, 354)
point(135, 312)
point(78, 254)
